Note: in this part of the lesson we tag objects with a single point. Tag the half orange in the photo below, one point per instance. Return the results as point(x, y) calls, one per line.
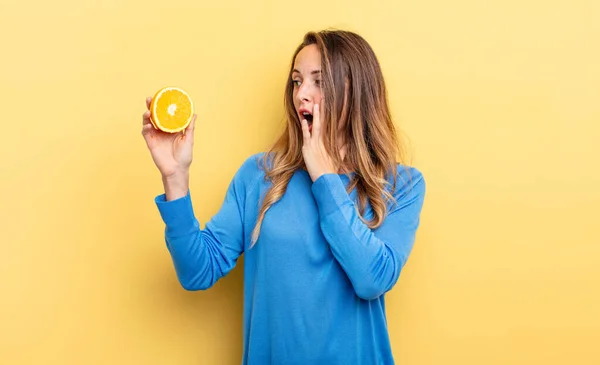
point(171, 109)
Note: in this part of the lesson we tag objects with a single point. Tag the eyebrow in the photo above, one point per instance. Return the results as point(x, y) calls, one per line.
point(312, 72)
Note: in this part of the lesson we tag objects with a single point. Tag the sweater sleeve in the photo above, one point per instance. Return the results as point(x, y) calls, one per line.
point(203, 256)
point(372, 259)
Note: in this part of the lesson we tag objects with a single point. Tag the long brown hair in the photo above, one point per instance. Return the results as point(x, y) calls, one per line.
point(356, 96)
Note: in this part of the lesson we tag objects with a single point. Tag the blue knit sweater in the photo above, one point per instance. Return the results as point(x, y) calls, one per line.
point(315, 280)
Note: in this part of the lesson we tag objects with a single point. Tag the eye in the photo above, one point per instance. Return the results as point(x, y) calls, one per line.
point(296, 82)
point(318, 83)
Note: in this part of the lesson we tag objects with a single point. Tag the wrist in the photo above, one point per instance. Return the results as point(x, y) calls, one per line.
point(317, 175)
point(176, 185)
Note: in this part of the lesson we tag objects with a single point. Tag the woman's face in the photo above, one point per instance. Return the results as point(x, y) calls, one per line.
point(306, 77)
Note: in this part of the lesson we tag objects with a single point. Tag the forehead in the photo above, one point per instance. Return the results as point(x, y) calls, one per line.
point(308, 59)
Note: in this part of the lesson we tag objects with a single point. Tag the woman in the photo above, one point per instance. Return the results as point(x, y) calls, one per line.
point(326, 218)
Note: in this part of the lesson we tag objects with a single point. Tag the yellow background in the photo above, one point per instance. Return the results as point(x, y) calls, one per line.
point(500, 100)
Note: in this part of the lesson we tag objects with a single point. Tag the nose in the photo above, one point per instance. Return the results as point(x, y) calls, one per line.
point(303, 94)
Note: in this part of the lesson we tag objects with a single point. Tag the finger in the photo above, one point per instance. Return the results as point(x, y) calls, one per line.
point(305, 132)
point(189, 130)
point(146, 118)
point(147, 128)
point(192, 124)
point(148, 102)
point(316, 128)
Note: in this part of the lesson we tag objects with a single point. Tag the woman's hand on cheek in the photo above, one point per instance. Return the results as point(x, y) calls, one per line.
point(317, 160)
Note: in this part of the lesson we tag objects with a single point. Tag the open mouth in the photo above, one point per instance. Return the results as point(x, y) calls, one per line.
point(308, 117)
